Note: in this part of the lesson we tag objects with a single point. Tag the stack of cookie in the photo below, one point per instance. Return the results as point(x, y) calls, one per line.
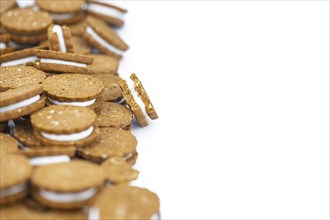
point(67, 147)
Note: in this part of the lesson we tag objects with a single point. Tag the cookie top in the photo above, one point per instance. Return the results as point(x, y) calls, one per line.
point(26, 20)
point(14, 170)
point(113, 115)
point(17, 54)
point(15, 76)
point(8, 144)
point(117, 170)
point(139, 203)
point(110, 142)
point(60, 7)
point(19, 94)
point(51, 54)
point(109, 35)
point(6, 5)
point(73, 176)
point(111, 91)
point(60, 119)
point(104, 64)
point(72, 87)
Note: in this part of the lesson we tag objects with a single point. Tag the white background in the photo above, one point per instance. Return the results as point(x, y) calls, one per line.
point(242, 91)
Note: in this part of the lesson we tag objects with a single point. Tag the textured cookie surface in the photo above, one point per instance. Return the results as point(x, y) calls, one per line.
point(110, 142)
point(63, 119)
point(17, 54)
point(60, 6)
point(111, 91)
point(63, 56)
point(80, 46)
point(103, 64)
point(73, 176)
point(15, 76)
point(72, 87)
point(19, 94)
point(26, 20)
point(8, 144)
point(113, 115)
point(6, 5)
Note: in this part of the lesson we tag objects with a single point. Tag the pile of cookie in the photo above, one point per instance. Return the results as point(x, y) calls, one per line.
point(67, 149)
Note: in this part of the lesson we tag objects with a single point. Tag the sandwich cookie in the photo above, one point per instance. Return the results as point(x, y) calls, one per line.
point(110, 13)
point(111, 91)
point(6, 5)
point(12, 77)
point(77, 27)
point(63, 12)
point(114, 115)
point(60, 125)
point(21, 101)
point(4, 47)
point(15, 174)
point(110, 142)
point(67, 185)
point(138, 87)
point(99, 35)
point(135, 108)
point(73, 89)
point(8, 144)
point(59, 38)
point(103, 64)
point(21, 57)
point(118, 171)
point(139, 203)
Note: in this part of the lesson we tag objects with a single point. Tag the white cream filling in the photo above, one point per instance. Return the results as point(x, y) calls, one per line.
point(63, 62)
point(42, 161)
point(82, 104)
point(58, 30)
point(2, 45)
point(69, 137)
point(13, 190)
point(67, 197)
point(138, 99)
point(94, 214)
point(62, 16)
point(19, 61)
point(101, 41)
point(20, 104)
point(105, 10)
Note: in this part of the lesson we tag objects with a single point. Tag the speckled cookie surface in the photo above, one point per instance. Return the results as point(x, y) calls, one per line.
point(25, 20)
point(60, 7)
point(111, 91)
point(81, 47)
point(15, 76)
point(104, 64)
point(6, 5)
point(73, 176)
point(63, 119)
point(72, 87)
point(77, 27)
point(110, 142)
point(63, 56)
point(139, 203)
point(17, 54)
point(8, 144)
point(113, 115)
point(29, 39)
point(117, 170)
point(19, 94)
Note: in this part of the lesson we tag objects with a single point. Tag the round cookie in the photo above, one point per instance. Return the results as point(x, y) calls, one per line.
point(104, 64)
point(21, 101)
point(110, 142)
point(61, 125)
point(139, 203)
point(26, 21)
point(114, 115)
point(8, 144)
point(118, 171)
point(67, 185)
point(15, 76)
point(80, 46)
point(111, 91)
point(73, 89)
point(15, 172)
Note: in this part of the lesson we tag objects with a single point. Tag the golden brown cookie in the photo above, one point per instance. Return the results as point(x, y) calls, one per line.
point(8, 144)
point(20, 57)
point(114, 115)
point(111, 91)
point(6, 5)
point(60, 39)
point(4, 47)
point(81, 47)
point(77, 27)
point(67, 185)
point(103, 64)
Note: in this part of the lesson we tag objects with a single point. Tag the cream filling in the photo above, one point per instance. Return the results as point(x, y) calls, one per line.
point(105, 10)
point(58, 30)
point(2, 45)
point(13, 190)
point(20, 104)
point(94, 214)
point(67, 197)
point(101, 41)
point(82, 104)
point(138, 99)
point(19, 61)
point(69, 137)
point(62, 16)
point(63, 62)
point(42, 161)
